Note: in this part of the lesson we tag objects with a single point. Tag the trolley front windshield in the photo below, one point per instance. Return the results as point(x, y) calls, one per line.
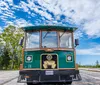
point(49, 39)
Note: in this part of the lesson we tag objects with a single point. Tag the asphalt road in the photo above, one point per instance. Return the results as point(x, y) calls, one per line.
point(6, 76)
point(88, 78)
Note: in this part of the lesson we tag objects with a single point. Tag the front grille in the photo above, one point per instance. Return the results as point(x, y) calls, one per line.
point(49, 61)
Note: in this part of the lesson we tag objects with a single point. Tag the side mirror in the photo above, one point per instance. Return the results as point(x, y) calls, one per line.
point(76, 42)
point(21, 42)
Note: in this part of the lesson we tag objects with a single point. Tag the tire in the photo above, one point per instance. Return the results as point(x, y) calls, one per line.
point(31, 84)
point(66, 83)
point(69, 83)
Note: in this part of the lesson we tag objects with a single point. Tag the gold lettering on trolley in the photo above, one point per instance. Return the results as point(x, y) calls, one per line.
point(49, 62)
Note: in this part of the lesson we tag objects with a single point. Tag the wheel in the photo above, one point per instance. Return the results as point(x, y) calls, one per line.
point(69, 83)
point(31, 84)
point(66, 83)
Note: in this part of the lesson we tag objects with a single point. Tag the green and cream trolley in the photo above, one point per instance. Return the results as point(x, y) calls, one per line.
point(48, 55)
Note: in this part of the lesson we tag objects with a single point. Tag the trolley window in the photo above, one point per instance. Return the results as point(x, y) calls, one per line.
point(65, 40)
point(32, 40)
point(49, 39)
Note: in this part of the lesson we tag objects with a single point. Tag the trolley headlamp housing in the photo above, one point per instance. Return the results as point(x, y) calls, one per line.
point(69, 57)
point(29, 58)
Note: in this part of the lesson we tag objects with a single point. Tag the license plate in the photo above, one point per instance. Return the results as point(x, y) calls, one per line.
point(49, 72)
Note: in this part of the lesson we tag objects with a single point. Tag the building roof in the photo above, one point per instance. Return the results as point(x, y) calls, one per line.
point(48, 27)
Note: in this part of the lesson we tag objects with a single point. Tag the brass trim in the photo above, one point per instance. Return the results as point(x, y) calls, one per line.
point(34, 49)
point(47, 54)
point(49, 50)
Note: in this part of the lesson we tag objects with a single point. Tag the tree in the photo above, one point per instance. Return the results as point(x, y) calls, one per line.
point(1, 53)
point(5, 59)
point(0, 63)
point(11, 37)
point(97, 63)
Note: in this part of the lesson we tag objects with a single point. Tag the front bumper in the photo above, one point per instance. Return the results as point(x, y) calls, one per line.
point(39, 76)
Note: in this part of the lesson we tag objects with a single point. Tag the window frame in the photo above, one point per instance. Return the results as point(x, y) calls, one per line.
point(58, 40)
point(26, 39)
point(72, 41)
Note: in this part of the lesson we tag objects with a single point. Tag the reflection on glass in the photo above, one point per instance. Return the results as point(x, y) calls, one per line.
point(49, 39)
point(65, 40)
point(32, 40)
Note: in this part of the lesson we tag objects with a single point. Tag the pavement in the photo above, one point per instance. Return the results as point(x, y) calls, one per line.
point(88, 78)
point(91, 69)
point(6, 76)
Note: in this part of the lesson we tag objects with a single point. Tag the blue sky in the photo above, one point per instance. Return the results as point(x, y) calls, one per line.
point(84, 14)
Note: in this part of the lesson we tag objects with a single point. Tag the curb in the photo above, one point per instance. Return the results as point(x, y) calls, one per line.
point(93, 70)
point(90, 70)
point(8, 80)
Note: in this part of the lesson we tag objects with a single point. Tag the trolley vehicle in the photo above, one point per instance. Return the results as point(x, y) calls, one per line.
point(48, 55)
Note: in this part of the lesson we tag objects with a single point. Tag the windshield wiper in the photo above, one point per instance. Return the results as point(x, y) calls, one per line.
point(46, 34)
point(62, 34)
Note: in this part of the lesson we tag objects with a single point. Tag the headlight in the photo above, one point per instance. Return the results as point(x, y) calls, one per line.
point(29, 58)
point(69, 58)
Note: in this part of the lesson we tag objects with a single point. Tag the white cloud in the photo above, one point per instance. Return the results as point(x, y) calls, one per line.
point(5, 11)
point(22, 22)
point(93, 28)
point(24, 6)
point(78, 34)
point(80, 11)
point(75, 12)
point(19, 23)
point(91, 51)
point(9, 1)
point(4, 4)
point(43, 13)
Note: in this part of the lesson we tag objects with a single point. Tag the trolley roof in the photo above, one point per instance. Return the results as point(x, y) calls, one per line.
point(49, 27)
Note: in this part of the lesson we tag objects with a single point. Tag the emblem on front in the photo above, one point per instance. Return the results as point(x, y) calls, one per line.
point(49, 61)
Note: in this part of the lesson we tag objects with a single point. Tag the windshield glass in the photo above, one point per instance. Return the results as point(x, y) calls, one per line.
point(65, 40)
point(32, 40)
point(49, 39)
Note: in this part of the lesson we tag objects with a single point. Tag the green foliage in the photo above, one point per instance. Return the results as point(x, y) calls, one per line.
point(97, 65)
point(11, 56)
point(0, 62)
point(5, 59)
